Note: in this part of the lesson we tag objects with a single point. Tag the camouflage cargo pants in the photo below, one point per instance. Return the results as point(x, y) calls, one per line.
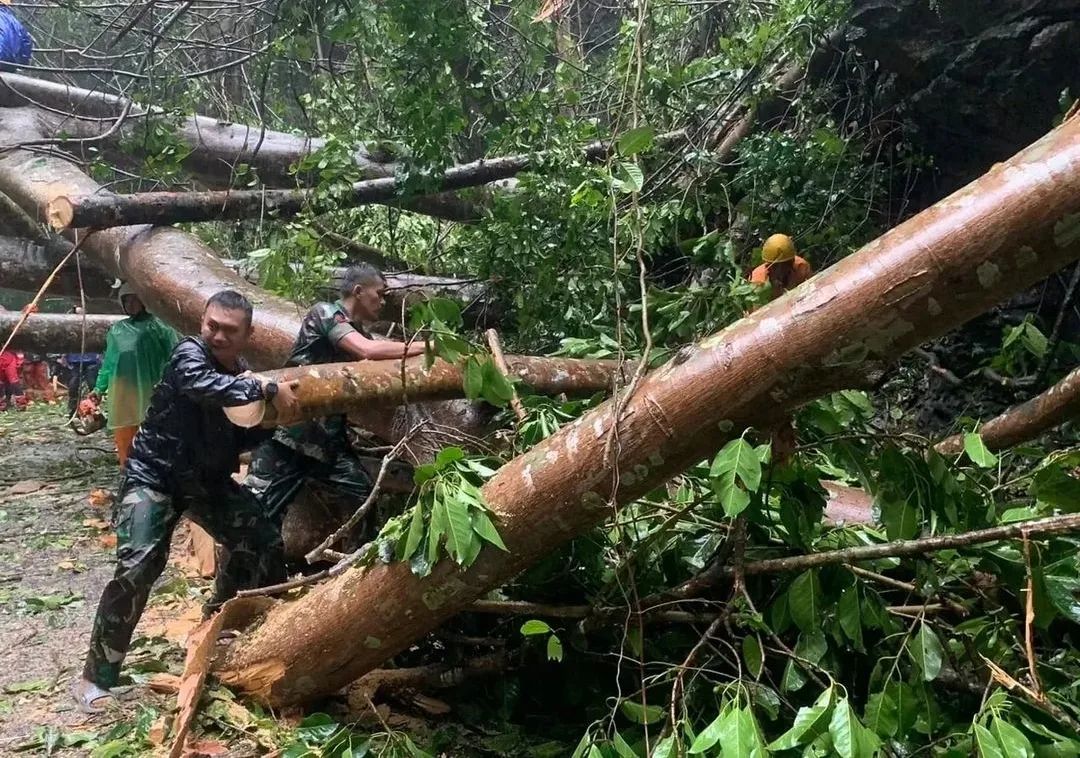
point(277, 472)
point(144, 522)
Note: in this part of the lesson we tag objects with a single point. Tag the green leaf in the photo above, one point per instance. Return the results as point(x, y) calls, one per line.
point(447, 456)
point(534, 626)
point(497, 389)
point(1013, 742)
point(926, 651)
point(844, 729)
point(554, 648)
point(436, 530)
point(34, 685)
point(1064, 594)
point(804, 600)
point(665, 748)
point(985, 742)
point(1055, 487)
point(753, 655)
point(482, 525)
point(316, 728)
point(635, 141)
point(423, 474)
point(641, 714)
point(735, 463)
point(459, 535)
point(710, 734)
point(810, 723)
point(446, 310)
point(850, 616)
point(416, 533)
point(629, 178)
point(1034, 340)
point(473, 378)
point(622, 749)
point(740, 736)
point(978, 453)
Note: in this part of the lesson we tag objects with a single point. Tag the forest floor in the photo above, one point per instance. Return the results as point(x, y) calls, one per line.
point(56, 554)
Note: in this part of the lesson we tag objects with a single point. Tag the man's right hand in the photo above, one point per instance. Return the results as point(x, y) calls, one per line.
point(285, 401)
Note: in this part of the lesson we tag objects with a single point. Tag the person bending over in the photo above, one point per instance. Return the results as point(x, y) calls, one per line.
point(318, 451)
point(181, 462)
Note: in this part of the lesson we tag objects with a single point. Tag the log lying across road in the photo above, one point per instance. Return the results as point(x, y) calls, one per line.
point(1000, 234)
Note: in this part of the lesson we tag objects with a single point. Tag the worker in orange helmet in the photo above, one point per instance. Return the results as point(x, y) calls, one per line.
point(781, 267)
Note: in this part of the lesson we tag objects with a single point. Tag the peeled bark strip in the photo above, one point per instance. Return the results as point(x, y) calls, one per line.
point(1007, 230)
point(1026, 421)
point(333, 388)
point(47, 333)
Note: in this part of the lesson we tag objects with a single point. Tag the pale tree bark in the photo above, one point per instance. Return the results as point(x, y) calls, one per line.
point(77, 117)
point(25, 263)
point(1003, 232)
point(48, 333)
point(1026, 421)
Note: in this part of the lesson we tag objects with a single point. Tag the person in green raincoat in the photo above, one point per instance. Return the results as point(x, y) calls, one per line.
point(136, 351)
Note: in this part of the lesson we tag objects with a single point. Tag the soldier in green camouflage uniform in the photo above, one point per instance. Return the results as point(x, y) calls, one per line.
point(181, 462)
point(318, 451)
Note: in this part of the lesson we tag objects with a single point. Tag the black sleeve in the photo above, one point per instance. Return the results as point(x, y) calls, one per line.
point(204, 384)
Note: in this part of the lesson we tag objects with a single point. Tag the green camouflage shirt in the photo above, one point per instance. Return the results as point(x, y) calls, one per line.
point(323, 327)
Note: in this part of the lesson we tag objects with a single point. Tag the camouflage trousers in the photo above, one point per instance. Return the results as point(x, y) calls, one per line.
point(277, 472)
point(144, 521)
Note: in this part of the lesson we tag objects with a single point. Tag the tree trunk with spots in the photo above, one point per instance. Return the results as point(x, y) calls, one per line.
point(1008, 229)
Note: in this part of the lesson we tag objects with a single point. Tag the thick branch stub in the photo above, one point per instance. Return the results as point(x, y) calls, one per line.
point(60, 213)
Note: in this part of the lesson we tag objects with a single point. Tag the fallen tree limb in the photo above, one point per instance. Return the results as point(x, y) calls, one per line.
point(106, 210)
point(1026, 421)
point(1005, 231)
point(332, 388)
point(593, 614)
point(48, 333)
point(215, 148)
point(1044, 527)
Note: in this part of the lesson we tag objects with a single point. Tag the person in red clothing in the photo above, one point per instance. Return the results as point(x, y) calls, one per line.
point(781, 267)
point(9, 381)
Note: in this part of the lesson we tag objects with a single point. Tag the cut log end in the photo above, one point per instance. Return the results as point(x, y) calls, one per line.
point(59, 213)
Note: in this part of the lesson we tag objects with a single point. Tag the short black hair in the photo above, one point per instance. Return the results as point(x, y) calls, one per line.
point(363, 274)
point(231, 300)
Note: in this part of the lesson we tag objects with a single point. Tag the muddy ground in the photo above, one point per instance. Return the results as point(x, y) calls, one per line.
point(56, 554)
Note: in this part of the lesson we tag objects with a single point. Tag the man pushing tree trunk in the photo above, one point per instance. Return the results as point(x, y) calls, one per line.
point(181, 462)
point(318, 451)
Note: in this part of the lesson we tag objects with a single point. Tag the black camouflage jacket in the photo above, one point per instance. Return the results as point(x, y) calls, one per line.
point(185, 433)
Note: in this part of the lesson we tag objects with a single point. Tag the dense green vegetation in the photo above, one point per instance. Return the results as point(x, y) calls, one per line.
point(648, 250)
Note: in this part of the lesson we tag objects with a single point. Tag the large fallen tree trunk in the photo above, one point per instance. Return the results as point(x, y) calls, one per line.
point(1026, 421)
point(47, 333)
point(25, 264)
point(1013, 226)
point(215, 149)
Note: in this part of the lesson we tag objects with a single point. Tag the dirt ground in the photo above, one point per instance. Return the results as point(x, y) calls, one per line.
point(56, 554)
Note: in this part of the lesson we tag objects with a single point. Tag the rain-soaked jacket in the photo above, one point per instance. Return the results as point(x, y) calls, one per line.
point(185, 434)
point(136, 351)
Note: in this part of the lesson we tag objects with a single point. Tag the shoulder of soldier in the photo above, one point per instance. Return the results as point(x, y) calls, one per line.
point(189, 349)
point(803, 267)
point(760, 275)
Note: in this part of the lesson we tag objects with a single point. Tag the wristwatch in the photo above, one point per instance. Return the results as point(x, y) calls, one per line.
point(270, 390)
